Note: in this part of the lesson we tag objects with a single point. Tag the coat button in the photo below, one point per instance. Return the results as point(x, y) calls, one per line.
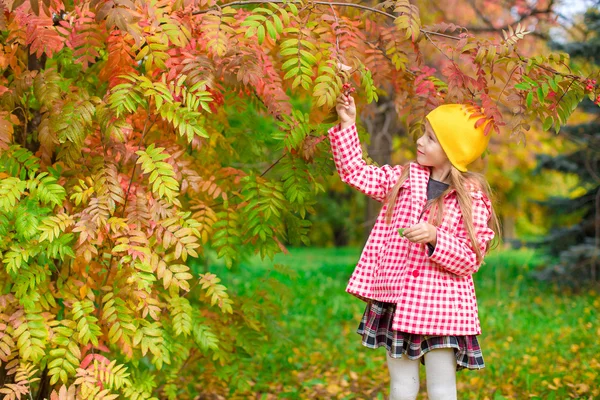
point(415, 273)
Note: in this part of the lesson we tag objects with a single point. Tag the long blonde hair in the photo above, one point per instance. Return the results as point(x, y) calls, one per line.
point(460, 181)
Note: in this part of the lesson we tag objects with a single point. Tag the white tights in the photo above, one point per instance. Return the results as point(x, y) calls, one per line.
point(440, 369)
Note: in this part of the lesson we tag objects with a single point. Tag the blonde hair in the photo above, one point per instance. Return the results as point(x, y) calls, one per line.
point(460, 181)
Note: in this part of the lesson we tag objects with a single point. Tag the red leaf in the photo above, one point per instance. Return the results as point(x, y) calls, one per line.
point(486, 131)
point(42, 36)
point(479, 122)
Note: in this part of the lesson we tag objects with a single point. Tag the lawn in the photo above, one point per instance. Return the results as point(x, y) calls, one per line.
point(538, 342)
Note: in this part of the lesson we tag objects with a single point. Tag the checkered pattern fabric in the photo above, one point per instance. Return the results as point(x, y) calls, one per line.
point(434, 293)
point(375, 329)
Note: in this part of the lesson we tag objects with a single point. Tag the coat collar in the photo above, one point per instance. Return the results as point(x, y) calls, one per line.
point(419, 175)
point(418, 178)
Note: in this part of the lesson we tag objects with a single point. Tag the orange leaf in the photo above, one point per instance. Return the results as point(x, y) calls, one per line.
point(83, 291)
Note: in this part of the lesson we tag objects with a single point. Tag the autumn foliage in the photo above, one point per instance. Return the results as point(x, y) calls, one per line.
point(119, 164)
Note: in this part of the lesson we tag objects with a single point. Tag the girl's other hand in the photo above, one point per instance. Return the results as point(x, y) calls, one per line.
point(346, 110)
point(422, 232)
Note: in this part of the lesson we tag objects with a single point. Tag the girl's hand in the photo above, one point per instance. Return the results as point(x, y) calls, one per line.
point(422, 232)
point(346, 109)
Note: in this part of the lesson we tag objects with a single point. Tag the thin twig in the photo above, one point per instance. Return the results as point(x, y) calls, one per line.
point(272, 165)
point(439, 34)
point(337, 38)
point(551, 70)
point(506, 84)
point(436, 46)
point(491, 28)
point(144, 131)
point(453, 62)
point(565, 92)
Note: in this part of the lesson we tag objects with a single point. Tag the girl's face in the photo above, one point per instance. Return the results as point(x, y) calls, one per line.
point(429, 150)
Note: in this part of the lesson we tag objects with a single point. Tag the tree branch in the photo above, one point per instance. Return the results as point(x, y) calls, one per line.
point(272, 165)
point(490, 25)
point(506, 84)
point(573, 24)
point(426, 33)
point(481, 15)
point(324, 3)
point(144, 131)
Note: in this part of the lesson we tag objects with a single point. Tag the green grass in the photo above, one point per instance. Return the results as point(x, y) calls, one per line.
point(537, 341)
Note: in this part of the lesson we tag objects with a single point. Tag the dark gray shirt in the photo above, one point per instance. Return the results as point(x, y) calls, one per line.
point(434, 190)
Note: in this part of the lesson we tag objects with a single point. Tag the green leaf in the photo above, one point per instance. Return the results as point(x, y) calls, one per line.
point(292, 72)
point(260, 33)
point(271, 29)
point(278, 23)
point(547, 123)
point(530, 81)
point(205, 338)
point(540, 95)
point(289, 51)
point(545, 89)
point(289, 63)
point(293, 43)
point(11, 190)
point(523, 86)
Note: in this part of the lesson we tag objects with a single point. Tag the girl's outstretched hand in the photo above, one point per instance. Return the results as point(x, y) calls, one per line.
point(422, 232)
point(346, 109)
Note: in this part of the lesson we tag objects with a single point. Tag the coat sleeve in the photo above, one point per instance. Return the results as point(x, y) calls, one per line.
point(454, 252)
point(373, 181)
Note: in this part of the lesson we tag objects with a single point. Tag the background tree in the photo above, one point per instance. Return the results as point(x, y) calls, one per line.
point(137, 135)
point(576, 244)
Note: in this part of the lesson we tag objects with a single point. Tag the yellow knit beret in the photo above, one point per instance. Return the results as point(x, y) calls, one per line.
point(454, 127)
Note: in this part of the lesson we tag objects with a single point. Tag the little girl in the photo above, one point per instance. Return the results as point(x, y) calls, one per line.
point(415, 271)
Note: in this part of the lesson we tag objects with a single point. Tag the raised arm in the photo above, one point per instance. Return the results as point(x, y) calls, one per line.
point(373, 181)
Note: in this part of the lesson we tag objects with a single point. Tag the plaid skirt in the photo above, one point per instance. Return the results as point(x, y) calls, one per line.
point(376, 330)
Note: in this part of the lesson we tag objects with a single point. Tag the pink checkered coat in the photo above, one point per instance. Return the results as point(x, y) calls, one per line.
point(434, 294)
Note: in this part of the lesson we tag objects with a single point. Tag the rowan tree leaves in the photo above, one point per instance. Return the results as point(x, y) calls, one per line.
point(42, 36)
point(161, 173)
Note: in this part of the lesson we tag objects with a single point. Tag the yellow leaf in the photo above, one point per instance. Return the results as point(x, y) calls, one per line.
point(556, 381)
point(334, 389)
point(582, 388)
point(574, 348)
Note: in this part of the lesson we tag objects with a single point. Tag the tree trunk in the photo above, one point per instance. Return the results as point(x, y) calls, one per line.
point(509, 232)
point(381, 122)
point(44, 386)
